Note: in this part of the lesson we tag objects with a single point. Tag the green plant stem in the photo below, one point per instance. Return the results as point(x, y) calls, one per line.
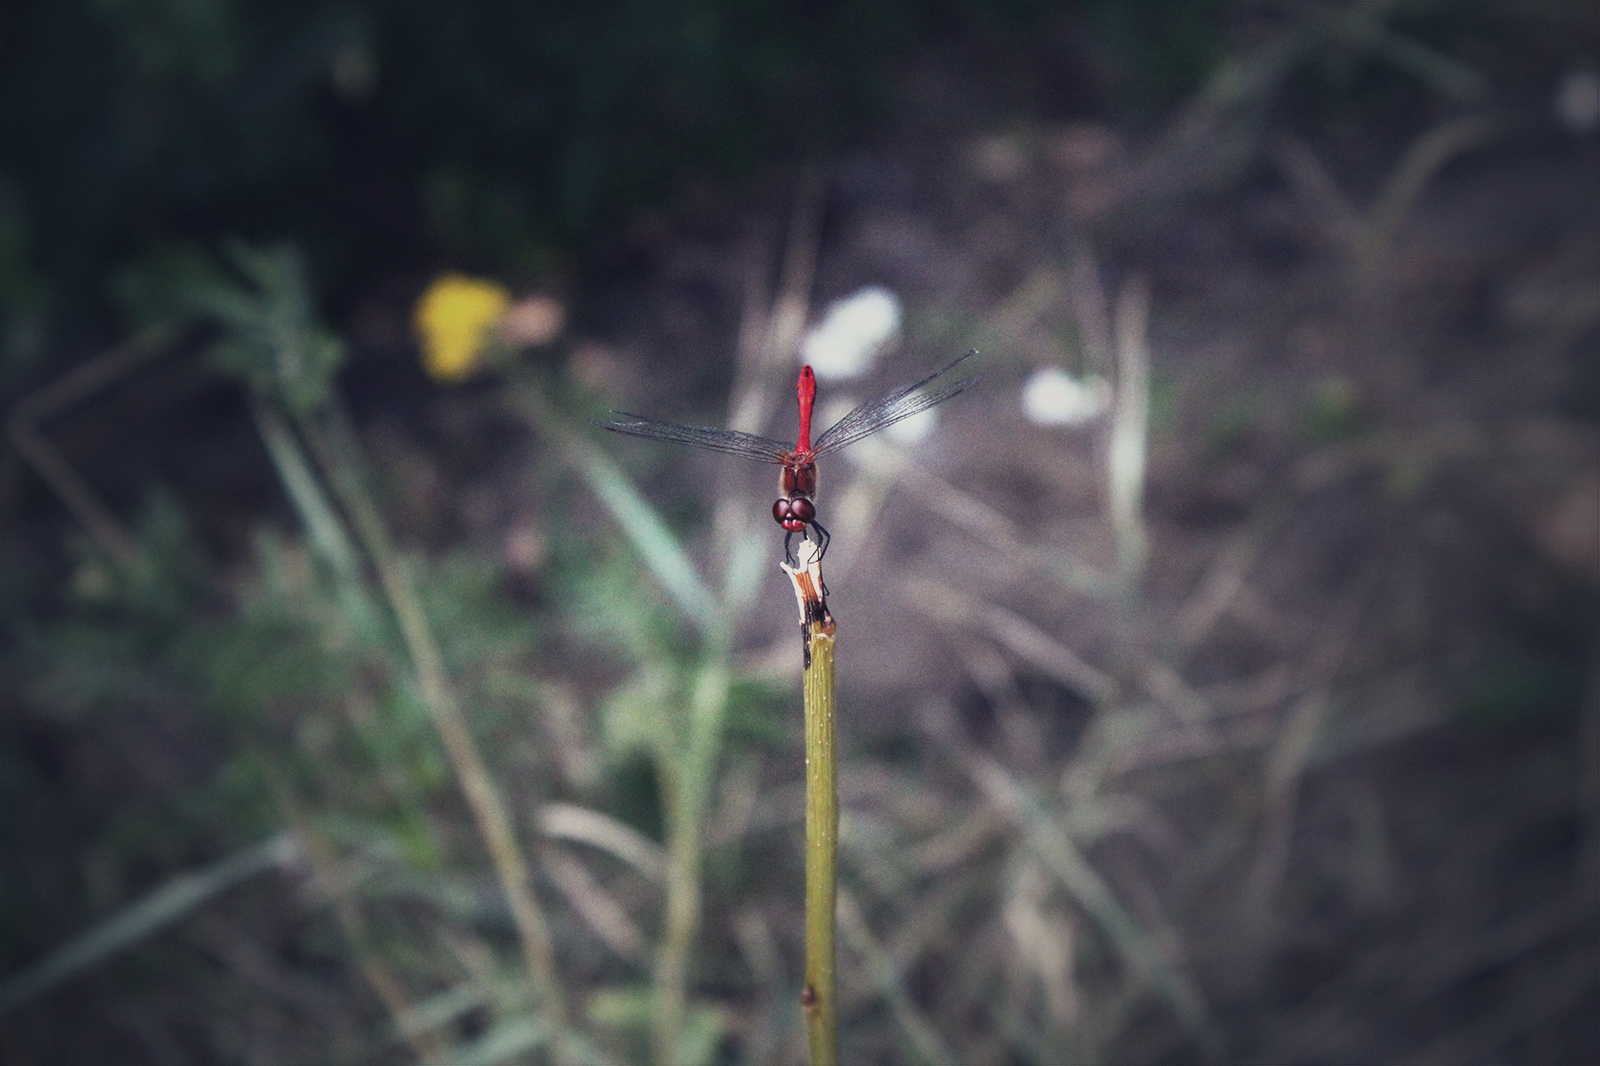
point(175, 900)
point(822, 848)
point(319, 855)
point(682, 919)
point(335, 448)
point(818, 1001)
point(325, 529)
point(686, 758)
point(688, 769)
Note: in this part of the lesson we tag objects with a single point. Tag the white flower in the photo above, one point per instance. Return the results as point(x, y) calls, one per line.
point(1053, 397)
point(852, 333)
point(1577, 101)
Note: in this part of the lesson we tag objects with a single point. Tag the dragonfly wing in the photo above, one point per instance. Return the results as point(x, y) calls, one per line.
point(874, 415)
point(732, 442)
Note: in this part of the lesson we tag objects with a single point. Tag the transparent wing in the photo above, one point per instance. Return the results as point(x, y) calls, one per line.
point(874, 415)
point(732, 442)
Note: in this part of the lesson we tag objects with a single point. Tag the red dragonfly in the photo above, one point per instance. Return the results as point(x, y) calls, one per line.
point(796, 510)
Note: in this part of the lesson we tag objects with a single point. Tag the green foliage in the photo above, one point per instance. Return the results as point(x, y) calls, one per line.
point(95, 657)
point(274, 342)
point(1332, 412)
point(296, 686)
point(24, 296)
point(636, 715)
point(285, 669)
point(632, 788)
point(1230, 423)
point(478, 625)
point(630, 1011)
point(499, 134)
point(160, 284)
point(1510, 688)
point(1160, 49)
point(1386, 60)
point(760, 712)
point(601, 589)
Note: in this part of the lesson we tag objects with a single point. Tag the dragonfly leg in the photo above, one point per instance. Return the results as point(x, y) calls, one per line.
point(788, 556)
point(822, 541)
point(821, 550)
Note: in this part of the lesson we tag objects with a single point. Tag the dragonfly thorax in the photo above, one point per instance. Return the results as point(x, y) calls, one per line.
point(798, 479)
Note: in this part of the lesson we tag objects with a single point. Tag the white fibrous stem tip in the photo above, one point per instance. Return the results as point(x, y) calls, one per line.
point(809, 591)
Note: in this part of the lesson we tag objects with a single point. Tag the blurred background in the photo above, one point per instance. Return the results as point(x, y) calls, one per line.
point(1219, 678)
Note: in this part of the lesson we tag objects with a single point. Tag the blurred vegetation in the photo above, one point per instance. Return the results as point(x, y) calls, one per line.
point(481, 776)
point(494, 135)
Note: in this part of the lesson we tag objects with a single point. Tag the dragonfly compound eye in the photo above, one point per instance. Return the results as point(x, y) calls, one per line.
point(787, 514)
point(802, 510)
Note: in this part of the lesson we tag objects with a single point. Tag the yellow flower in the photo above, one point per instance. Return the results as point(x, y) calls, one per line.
point(454, 321)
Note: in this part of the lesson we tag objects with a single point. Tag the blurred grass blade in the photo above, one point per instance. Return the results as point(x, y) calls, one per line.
point(568, 821)
point(1017, 635)
point(1423, 160)
point(886, 974)
point(748, 558)
point(325, 531)
point(508, 1042)
point(689, 767)
point(30, 413)
point(1364, 27)
point(337, 449)
point(662, 552)
point(1062, 858)
point(145, 918)
point(441, 1009)
point(1129, 432)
